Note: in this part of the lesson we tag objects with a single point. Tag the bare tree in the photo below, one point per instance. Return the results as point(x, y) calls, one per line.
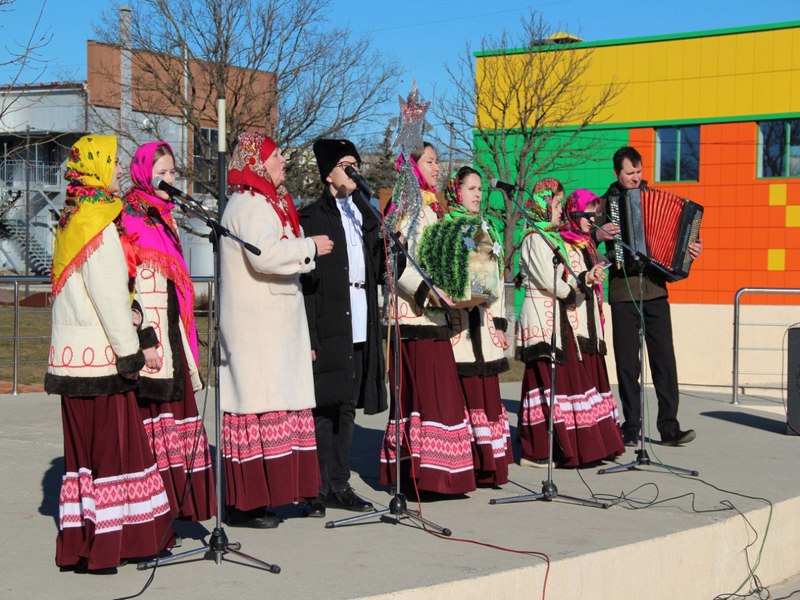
point(323, 80)
point(22, 59)
point(520, 105)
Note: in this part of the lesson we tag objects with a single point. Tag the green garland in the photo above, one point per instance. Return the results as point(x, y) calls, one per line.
point(441, 253)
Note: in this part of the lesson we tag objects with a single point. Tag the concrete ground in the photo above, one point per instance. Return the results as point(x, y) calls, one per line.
point(669, 536)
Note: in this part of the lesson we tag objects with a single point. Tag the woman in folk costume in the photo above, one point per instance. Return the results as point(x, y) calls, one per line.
point(166, 393)
point(585, 425)
point(597, 434)
point(113, 505)
point(266, 380)
point(479, 341)
point(434, 421)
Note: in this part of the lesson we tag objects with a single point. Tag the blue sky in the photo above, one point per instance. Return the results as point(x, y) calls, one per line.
point(423, 35)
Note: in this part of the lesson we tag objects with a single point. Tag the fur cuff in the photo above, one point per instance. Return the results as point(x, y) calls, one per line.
point(501, 324)
point(420, 296)
point(130, 364)
point(147, 338)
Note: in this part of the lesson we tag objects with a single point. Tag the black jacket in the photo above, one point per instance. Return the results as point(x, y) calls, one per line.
point(327, 300)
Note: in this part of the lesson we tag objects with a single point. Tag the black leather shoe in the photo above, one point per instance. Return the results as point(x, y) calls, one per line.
point(678, 437)
point(258, 518)
point(630, 437)
point(348, 500)
point(314, 508)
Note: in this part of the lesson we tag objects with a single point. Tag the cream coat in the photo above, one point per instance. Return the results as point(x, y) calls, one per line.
point(464, 346)
point(152, 290)
point(265, 350)
point(535, 324)
point(410, 313)
point(92, 321)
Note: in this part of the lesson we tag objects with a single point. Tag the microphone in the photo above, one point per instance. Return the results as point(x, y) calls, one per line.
point(160, 184)
point(350, 171)
point(586, 215)
point(502, 185)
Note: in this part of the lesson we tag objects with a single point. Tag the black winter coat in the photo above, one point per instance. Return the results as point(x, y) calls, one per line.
point(327, 300)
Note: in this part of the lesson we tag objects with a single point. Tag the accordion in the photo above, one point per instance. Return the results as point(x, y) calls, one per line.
point(660, 225)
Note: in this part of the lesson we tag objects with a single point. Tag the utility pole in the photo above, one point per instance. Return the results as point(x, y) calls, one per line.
point(451, 127)
point(28, 215)
point(125, 104)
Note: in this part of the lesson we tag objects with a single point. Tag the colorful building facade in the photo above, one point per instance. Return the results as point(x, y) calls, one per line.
point(716, 117)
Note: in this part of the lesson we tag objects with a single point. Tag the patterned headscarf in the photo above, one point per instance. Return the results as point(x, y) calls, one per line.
point(248, 171)
point(89, 207)
point(457, 210)
point(427, 191)
point(153, 235)
point(571, 232)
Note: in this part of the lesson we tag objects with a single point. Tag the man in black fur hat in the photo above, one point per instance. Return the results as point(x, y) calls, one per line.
point(342, 306)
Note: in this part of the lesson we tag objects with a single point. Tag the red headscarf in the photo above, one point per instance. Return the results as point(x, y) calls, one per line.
point(248, 171)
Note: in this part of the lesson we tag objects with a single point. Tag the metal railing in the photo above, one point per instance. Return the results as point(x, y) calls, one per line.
point(22, 286)
point(737, 324)
point(39, 173)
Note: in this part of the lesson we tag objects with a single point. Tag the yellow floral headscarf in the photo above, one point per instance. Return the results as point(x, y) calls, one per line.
point(89, 206)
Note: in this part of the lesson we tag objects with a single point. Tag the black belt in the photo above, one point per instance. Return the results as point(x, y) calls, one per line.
point(358, 286)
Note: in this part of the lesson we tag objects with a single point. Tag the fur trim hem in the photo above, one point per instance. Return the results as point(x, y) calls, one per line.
point(425, 332)
point(539, 351)
point(84, 387)
point(493, 367)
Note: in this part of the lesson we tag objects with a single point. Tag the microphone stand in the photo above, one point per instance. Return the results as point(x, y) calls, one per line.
point(549, 489)
point(218, 545)
point(398, 505)
point(642, 457)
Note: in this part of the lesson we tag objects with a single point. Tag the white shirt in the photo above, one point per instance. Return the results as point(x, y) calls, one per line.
point(352, 222)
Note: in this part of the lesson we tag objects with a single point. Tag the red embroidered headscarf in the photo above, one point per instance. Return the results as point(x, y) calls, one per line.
point(153, 235)
point(248, 171)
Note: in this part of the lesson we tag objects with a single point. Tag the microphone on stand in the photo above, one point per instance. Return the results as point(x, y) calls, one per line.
point(356, 176)
point(160, 184)
point(509, 188)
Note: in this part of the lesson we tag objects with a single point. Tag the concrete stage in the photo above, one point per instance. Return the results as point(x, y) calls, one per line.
point(691, 544)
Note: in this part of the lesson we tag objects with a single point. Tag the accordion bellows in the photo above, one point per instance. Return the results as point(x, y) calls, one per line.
point(660, 225)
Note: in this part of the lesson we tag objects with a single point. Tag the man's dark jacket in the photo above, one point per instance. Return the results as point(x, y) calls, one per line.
point(327, 299)
point(623, 284)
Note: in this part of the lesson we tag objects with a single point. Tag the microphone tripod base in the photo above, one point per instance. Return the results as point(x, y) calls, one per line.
point(398, 508)
point(643, 459)
point(218, 546)
point(549, 493)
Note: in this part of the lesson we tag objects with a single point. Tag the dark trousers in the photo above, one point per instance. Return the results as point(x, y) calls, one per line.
point(661, 355)
point(334, 427)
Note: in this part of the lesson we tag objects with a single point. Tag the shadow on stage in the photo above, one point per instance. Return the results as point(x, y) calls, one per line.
point(748, 420)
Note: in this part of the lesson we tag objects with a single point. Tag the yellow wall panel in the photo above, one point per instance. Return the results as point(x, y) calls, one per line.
point(777, 194)
point(733, 74)
point(776, 259)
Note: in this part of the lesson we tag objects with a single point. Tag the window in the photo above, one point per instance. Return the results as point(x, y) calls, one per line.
point(779, 148)
point(204, 161)
point(678, 153)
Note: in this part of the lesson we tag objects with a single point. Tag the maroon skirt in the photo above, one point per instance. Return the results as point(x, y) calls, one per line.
point(179, 442)
point(491, 450)
point(113, 504)
point(434, 425)
point(586, 424)
point(270, 458)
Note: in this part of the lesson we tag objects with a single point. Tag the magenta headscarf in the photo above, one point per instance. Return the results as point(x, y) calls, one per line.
point(154, 238)
point(571, 232)
point(423, 182)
